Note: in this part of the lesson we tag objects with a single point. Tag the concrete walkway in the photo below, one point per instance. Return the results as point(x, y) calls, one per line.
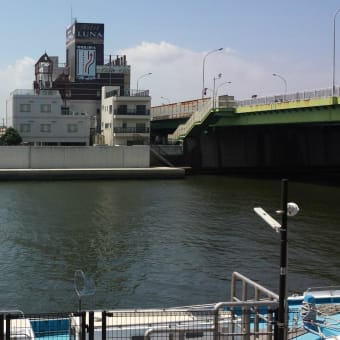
point(92, 174)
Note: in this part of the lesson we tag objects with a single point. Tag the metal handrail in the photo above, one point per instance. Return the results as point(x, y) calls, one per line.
point(12, 312)
point(245, 307)
point(246, 282)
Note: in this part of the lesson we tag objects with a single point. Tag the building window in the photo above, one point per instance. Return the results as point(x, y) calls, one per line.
point(107, 125)
point(25, 107)
point(45, 107)
point(140, 109)
point(45, 127)
point(122, 109)
point(25, 128)
point(110, 110)
point(140, 127)
point(72, 128)
point(65, 110)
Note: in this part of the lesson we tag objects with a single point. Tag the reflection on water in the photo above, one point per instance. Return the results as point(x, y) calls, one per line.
point(157, 243)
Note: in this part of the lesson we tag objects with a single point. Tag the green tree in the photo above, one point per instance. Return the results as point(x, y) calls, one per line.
point(10, 137)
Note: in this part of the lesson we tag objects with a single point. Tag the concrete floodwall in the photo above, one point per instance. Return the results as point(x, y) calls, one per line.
point(71, 157)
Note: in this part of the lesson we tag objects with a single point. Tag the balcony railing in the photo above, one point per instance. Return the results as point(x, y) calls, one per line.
point(132, 112)
point(131, 130)
point(137, 93)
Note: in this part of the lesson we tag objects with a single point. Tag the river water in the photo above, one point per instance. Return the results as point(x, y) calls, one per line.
point(158, 243)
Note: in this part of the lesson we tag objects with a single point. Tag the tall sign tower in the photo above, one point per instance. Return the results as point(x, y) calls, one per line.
point(84, 50)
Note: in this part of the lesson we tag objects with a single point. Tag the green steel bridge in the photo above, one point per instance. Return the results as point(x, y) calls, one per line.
point(303, 107)
point(303, 128)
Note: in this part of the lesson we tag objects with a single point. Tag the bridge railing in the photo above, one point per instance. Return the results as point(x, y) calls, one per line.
point(178, 110)
point(305, 95)
point(195, 118)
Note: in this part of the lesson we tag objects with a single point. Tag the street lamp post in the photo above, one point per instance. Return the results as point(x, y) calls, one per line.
point(333, 72)
point(287, 209)
point(142, 76)
point(282, 312)
point(217, 50)
point(219, 76)
point(283, 79)
point(226, 82)
point(167, 99)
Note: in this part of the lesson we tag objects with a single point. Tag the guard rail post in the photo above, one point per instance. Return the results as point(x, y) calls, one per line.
point(104, 325)
point(91, 325)
point(8, 327)
point(2, 327)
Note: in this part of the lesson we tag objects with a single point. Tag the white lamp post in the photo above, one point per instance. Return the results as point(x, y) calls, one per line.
point(219, 76)
point(142, 76)
point(226, 82)
point(167, 99)
point(217, 50)
point(333, 84)
point(284, 81)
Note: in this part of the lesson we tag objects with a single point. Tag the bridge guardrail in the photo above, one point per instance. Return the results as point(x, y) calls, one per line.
point(305, 95)
point(195, 118)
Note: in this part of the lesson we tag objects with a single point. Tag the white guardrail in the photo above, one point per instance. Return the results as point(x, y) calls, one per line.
point(291, 97)
point(178, 110)
point(195, 118)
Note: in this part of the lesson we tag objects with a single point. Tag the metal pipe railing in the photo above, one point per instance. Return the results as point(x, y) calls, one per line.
point(246, 283)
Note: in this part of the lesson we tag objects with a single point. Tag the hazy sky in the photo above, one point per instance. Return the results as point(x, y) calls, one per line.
point(293, 38)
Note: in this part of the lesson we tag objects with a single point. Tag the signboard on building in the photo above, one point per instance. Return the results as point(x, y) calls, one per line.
point(113, 69)
point(85, 33)
point(86, 62)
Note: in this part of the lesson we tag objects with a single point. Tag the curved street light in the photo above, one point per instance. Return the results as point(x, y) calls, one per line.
point(283, 79)
point(219, 76)
point(333, 71)
point(213, 51)
point(226, 82)
point(167, 99)
point(142, 76)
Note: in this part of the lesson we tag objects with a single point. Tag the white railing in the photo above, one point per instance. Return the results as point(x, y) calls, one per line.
point(178, 110)
point(305, 95)
point(196, 118)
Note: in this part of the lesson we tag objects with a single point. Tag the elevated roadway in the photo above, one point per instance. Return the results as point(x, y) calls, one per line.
point(299, 131)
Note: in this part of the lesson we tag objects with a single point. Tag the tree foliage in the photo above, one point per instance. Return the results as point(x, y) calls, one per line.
point(10, 137)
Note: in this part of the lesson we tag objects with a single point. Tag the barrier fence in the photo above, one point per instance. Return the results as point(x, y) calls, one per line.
point(232, 320)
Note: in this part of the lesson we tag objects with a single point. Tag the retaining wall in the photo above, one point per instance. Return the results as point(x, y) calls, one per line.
point(72, 157)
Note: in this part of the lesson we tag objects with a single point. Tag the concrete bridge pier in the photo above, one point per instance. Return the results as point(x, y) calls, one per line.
point(274, 148)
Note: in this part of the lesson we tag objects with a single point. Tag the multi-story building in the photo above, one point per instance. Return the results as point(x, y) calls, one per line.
point(125, 119)
point(44, 120)
point(70, 90)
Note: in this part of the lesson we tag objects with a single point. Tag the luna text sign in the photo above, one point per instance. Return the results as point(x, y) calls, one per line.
point(85, 33)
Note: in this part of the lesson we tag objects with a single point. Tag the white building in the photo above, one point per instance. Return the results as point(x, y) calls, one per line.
point(125, 119)
point(42, 119)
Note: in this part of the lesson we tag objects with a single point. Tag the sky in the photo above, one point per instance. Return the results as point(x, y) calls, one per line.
point(171, 39)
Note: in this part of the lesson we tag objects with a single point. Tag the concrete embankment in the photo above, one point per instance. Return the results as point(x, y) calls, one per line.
point(92, 174)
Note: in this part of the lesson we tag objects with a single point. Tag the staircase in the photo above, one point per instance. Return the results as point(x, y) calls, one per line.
point(196, 118)
point(169, 155)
